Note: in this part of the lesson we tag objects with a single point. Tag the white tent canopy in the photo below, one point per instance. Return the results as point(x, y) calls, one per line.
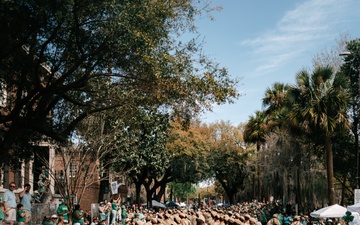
point(155, 204)
point(354, 208)
point(333, 211)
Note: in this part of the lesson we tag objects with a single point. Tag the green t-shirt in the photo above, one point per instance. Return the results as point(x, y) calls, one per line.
point(113, 206)
point(63, 210)
point(2, 216)
point(20, 218)
point(123, 213)
point(75, 220)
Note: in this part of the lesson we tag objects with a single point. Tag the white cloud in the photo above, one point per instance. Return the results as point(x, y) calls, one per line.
point(300, 30)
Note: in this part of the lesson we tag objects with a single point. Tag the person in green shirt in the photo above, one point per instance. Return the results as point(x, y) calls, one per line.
point(114, 208)
point(20, 214)
point(47, 220)
point(36, 196)
point(63, 210)
point(124, 215)
point(2, 214)
point(78, 217)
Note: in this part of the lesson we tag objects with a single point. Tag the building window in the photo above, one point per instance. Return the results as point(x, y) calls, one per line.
point(73, 170)
point(61, 175)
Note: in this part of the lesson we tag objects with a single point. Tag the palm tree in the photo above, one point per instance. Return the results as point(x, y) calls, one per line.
point(319, 104)
point(254, 132)
point(275, 105)
point(275, 96)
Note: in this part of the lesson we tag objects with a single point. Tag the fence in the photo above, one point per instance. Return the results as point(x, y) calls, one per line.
point(40, 210)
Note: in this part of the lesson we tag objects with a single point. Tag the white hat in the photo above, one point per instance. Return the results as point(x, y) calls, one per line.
point(54, 216)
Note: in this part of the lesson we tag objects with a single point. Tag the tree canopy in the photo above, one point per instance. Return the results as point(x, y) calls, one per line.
point(65, 60)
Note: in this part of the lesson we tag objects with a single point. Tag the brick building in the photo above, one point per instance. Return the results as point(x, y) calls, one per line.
point(68, 173)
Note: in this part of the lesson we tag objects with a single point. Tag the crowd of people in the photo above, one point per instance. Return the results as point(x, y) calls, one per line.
point(253, 213)
point(112, 212)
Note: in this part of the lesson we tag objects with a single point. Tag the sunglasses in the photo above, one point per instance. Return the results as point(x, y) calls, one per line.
point(12, 186)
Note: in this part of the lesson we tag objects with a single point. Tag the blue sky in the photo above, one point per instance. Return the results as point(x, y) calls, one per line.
point(268, 41)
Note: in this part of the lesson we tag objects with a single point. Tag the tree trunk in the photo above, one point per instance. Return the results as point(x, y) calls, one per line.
point(160, 194)
point(171, 193)
point(330, 170)
point(355, 130)
point(357, 157)
point(253, 186)
point(298, 189)
point(258, 173)
point(137, 192)
point(149, 194)
point(343, 191)
point(231, 197)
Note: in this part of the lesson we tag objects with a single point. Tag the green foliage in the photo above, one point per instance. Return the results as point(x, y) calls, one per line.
point(315, 106)
point(140, 145)
point(256, 129)
point(188, 147)
point(227, 158)
point(319, 101)
point(182, 191)
point(65, 60)
point(351, 69)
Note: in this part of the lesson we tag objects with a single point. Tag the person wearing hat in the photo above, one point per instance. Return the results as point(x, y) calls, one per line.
point(177, 219)
point(274, 220)
point(54, 219)
point(252, 221)
point(200, 221)
point(102, 212)
point(238, 222)
point(231, 221)
point(329, 222)
point(296, 220)
point(154, 220)
point(242, 219)
point(127, 221)
point(43, 185)
point(36, 197)
point(247, 218)
point(95, 220)
point(167, 219)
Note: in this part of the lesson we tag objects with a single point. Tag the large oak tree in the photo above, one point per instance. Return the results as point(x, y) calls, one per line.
point(62, 61)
